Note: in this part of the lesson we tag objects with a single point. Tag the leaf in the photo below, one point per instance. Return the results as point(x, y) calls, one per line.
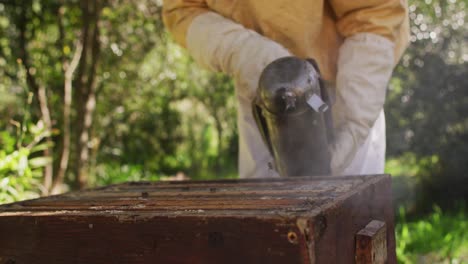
point(4, 183)
point(13, 191)
point(40, 162)
point(42, 146)
point(22, 165)
point(66, 50)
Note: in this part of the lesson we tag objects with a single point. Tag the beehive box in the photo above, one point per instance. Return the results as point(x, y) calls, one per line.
point(287, 220)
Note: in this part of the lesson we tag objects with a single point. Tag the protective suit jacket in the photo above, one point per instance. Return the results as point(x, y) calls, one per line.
point(307, 28)
point(354, 42)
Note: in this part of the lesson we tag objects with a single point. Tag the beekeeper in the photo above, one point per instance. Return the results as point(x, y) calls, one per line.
point(356, 44)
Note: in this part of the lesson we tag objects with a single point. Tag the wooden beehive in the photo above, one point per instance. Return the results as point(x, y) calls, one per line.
point(280, 220)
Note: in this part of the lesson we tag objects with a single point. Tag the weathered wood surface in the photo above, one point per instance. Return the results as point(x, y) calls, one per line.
point(371, 244)
point(278, 220)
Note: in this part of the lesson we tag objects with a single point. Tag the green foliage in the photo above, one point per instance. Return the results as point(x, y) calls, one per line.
point(112, 173)
point(187, 125)
point(408, 170)
point(409, 164)
point(440, 237)
point(156, 110)
point(427, 124)
point(21, 162)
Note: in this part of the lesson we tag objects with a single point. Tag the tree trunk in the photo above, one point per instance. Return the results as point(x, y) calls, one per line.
point(86, 88)
point(69, 69)
point(40, 93)
point(219, 129)
point(48, 169)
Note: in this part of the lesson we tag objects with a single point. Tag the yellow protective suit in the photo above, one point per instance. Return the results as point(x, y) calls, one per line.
point(308, 29)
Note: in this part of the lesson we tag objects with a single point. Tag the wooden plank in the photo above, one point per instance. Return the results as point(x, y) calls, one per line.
point(301, 194)
point(104, 239)
point(371, 244)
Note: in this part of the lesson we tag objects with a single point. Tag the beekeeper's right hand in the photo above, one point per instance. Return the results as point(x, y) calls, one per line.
point(220, 44)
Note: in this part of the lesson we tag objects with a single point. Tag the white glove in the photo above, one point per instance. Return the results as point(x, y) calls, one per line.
point(365, 64)
point(221, 44)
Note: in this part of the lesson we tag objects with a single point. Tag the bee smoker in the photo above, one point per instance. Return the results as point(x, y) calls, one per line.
point(292, 112)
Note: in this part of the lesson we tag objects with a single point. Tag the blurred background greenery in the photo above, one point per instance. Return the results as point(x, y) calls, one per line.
point(96, 92)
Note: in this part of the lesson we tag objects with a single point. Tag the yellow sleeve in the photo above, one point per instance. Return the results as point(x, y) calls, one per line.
point(387, 18)
point(178, 15)
point(381, 17)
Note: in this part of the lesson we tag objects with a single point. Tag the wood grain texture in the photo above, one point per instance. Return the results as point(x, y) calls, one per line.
point(371, 244)
point(278, 220)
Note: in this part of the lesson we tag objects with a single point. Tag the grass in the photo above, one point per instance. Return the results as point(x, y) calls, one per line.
point(439, 237)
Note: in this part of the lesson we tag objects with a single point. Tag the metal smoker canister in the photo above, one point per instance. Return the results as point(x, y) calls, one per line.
point(293, 114)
